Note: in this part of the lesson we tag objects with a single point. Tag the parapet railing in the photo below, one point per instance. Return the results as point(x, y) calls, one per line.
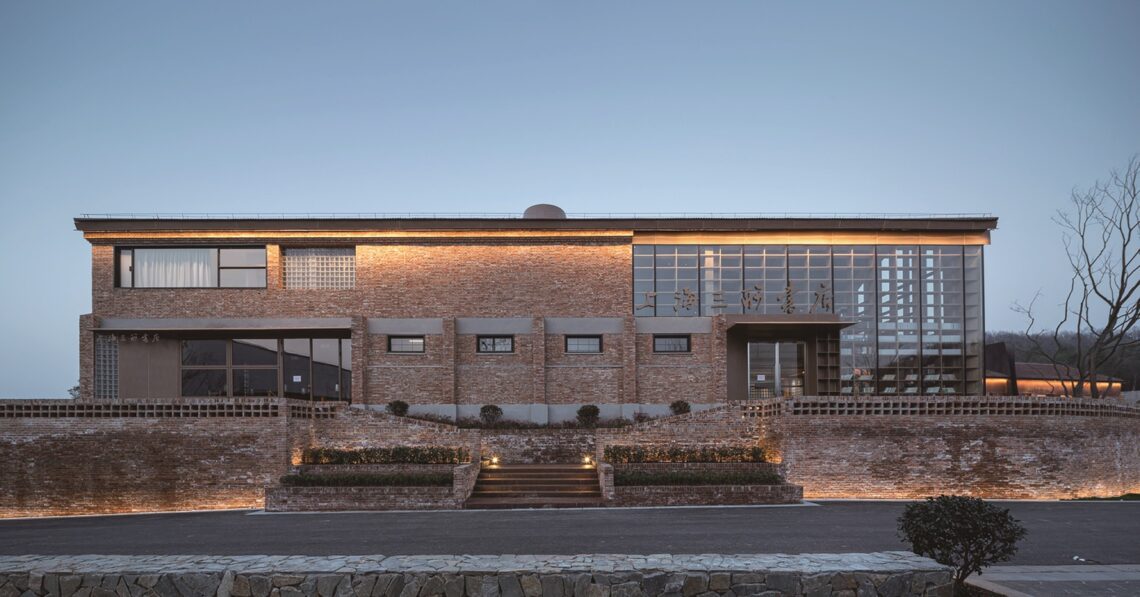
point(833, 406)
point(148, 408)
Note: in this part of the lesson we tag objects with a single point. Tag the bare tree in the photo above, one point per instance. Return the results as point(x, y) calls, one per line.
point(1101, 234)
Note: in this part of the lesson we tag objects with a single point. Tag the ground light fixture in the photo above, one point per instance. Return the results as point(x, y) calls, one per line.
point(587, 460)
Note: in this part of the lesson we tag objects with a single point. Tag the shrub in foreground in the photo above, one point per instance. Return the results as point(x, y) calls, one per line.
point(397, 407)
point(363, 480)
point(619, 454)
point(397, 455)
point(490, 414)
point(588, 415)
point(696, 478)
point(964, 532)
point(680, 407)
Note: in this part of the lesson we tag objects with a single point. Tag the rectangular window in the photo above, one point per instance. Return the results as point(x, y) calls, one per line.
point(583, 344)
point(495, 344)
point(405, 343)
point(329, 268)
point(671, 344)
point(191, 267)
point(306, 368)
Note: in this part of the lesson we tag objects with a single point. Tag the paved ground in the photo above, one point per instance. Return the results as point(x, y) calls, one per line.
point(1060, 581)
point(1104, 533)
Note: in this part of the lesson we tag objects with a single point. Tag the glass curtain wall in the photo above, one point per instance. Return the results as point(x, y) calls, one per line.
point(917, 310)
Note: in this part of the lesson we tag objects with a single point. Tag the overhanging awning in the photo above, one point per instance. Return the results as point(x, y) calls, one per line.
point(223, 324)
point(821, 321)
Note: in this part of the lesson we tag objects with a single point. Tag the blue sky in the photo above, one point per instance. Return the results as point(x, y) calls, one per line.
point(597, 106)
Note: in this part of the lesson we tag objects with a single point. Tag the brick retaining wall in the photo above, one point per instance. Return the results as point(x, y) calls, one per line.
point(704, 495)
point(528, 446)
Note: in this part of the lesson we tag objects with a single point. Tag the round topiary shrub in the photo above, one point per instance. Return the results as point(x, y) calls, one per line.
point(964, 532)
point(490, 414)
point(680, 407)
point(397, 407)
point(588, 415)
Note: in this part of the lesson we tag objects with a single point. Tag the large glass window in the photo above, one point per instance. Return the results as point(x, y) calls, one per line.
point(917, 310)
point(306, 368)
point(328, 267)
point(192, 267)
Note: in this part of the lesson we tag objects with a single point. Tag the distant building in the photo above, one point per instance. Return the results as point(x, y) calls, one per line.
point(1007, 377)
point(538, 314)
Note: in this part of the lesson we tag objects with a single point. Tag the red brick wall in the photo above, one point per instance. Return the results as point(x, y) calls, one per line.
point(53, 465)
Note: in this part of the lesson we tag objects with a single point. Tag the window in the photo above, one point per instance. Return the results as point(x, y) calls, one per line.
point(106, 367)
point(671, 344)
point(310, 368)
point(583, 344)
point(187, 267)
point(329, 268)
point(495, 344)
point(405, 343)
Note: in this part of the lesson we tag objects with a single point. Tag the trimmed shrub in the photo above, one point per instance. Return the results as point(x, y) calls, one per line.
point(680, 407)
point(639, 454)
point(697, 478)
point(362, 480)
point(490, 414)
point(397, 455)
point(397, 407)
point(964, 532)
point(588, 415)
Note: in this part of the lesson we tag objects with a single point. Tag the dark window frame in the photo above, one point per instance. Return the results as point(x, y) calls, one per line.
point(598, 337)
point(422, 339)
point(120, 250)
point(493, 337)
point(688, 338)
point(344, 391)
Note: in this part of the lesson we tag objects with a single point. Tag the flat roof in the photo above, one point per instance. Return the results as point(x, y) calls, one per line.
point(458, 222)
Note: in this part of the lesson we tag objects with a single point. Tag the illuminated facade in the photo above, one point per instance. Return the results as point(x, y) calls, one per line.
point(539, 314)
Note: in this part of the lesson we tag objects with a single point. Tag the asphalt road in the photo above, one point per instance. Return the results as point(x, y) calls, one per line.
point(1106, 533)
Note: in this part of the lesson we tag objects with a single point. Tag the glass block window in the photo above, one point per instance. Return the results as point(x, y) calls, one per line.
point(329, 268)
point(106, 368)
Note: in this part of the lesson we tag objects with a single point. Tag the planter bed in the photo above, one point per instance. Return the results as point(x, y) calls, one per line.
point(374, 469)
point(685, 467)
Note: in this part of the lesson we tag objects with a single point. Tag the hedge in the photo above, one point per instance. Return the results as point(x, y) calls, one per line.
point(640, 454)
point(697, 478)
point(363, 480)
point(398, 455)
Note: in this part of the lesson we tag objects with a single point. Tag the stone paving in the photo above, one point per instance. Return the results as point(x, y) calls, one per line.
point(1063, 581)
point(599, 575)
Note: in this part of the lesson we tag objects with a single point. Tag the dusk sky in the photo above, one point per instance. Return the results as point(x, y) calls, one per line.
point(599, 107)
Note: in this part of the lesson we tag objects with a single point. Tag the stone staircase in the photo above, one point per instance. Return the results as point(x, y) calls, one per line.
point(536, 486)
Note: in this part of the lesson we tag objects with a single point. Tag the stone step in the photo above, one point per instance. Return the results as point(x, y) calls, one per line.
point(591, 493)
point(536, 482)
point(540, 478)
point(498, 503)
point(541, 468)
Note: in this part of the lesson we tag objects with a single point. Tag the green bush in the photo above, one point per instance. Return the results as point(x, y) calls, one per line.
point(636, 454)
point(680, 407)
point(588, 415)
point(369, 480)
point(490, 414)
point(397, 407)
point(964, 532)
point(696, 478)
point(397, 455)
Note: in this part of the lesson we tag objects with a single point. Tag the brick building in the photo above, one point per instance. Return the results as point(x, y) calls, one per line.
point(539, 314)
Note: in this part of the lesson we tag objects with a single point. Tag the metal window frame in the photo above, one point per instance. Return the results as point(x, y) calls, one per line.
point(494, 349)
point(568, 337)
point(688, 338)
point(421, 338)
point(118, 274)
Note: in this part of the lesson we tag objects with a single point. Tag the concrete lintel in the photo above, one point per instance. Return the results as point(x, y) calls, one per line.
point(674, 325)
point(494, 325)
point(583, 325)
point(396, 326)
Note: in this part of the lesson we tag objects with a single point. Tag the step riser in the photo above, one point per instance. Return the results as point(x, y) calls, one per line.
point(536, 486)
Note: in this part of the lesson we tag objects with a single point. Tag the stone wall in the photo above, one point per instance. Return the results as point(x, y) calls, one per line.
point(719, 426)
point(343, 498)
point(353, 427)
point(987, 447)
point(541, 446)
point(888, 574)
point(704, 495)
point(61, 457)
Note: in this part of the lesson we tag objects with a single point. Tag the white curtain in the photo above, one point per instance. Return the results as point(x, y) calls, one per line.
point(175, 268)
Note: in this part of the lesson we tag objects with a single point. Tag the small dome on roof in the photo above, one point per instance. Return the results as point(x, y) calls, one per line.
point(544, 211)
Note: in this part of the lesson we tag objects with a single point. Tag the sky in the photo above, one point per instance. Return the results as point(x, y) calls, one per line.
point(599, 107)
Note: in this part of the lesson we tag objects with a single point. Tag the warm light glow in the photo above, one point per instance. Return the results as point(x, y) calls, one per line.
point(778, 237)
point(351, 234)
point(586, 460)
point(494, 460)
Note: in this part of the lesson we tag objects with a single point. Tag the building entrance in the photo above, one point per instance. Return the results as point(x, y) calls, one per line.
point(776, 369)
